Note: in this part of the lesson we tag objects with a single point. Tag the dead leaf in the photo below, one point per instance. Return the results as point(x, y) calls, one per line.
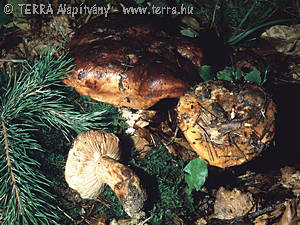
point(284, 38)
point(200, 221)
point(267, 217)
point(131, 221)
point(291, 179)
point(141, 144)
point(136, 118)
point(101, 220)
point(191, 22)
point(232, 204)
point(22, 23)
point(290, 216)
point(144, 133)
point(121, 222)
point(294, 69)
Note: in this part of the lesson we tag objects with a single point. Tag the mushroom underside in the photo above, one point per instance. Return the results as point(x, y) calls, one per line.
point(93, 161)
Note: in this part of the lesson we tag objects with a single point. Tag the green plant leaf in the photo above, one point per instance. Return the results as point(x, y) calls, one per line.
point(245, 18)
point(17, 12)
point(254, 76)
point(205, 73)
point(189, 33)
point(139, 1)
point(236, 39)
point(196, 173)
point(266, 71)
point(238, 74)
point(4, 18)
point(226, 74)
point(187, 4)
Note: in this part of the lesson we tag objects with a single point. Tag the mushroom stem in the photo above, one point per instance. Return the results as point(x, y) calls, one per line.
point(125, 184)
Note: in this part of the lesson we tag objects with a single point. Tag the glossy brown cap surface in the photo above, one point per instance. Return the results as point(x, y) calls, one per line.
point(130, 61)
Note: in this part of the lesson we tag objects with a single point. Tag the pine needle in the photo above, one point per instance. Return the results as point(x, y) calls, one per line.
point(33, 99)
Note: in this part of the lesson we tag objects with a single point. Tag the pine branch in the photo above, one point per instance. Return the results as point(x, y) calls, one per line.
point(33, 99)
point(23, 195)
point(9, 165)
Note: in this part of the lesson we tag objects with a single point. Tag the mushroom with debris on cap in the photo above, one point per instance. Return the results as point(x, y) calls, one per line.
point(130, 61)
point(226, 123)
point(93, 162)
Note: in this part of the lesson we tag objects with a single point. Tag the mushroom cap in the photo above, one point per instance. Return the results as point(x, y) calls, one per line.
point(227, 124)
point(129, 61)
point(81, 165)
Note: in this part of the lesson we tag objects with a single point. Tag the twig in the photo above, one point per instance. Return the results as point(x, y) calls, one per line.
point(214, 15)
point(60, 115)
point(79, 105)
point(173, 138)
point(290, 81)
point(85, 216)
point(91, 102)
point(144, 221)
point(67, 215)
point(258, 213)
point(9, 165)
point(102, 202)
point(265, 210)
point(238, 148)
point(13, 60)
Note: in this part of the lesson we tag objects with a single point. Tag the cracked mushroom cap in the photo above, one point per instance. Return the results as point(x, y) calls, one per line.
point(129, 61)
point(227, 124)
point(93, 161)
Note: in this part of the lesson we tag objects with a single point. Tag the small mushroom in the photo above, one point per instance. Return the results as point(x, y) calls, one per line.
point(93, 162)
point(129, 61)
point(227, 124)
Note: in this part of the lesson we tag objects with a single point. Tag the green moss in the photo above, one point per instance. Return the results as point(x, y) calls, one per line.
point(162, 177)
point(115, 210)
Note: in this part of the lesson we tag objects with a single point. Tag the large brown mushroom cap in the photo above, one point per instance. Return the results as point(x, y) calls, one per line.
point(129, 61)
point(227, 124)
point(92, 162)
